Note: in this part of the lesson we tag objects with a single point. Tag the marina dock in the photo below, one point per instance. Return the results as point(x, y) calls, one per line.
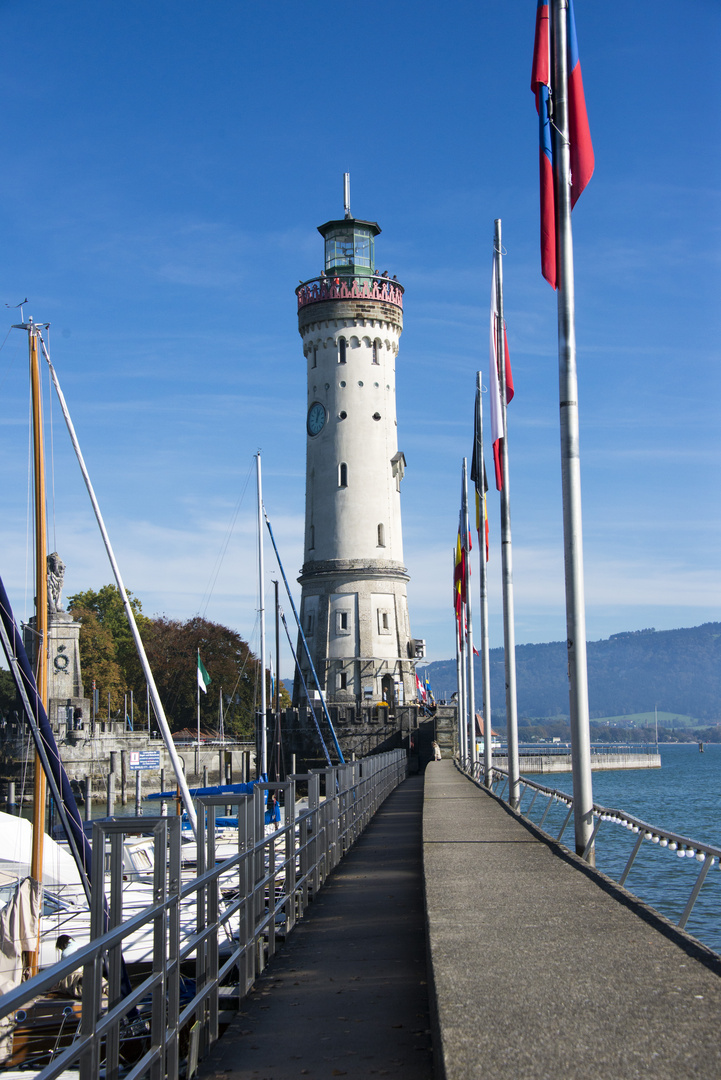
point(538, 966)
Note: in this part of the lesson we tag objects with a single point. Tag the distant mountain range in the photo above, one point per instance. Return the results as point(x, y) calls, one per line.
point(677, 670)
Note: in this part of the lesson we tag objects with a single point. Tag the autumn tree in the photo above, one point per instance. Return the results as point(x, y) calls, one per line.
point(108, 655)
point(172, 647)
point(107, 650)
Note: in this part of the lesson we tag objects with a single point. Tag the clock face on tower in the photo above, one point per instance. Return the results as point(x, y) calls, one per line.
point(316, 418)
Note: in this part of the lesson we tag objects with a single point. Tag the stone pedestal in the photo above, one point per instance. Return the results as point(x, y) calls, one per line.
point(68, 708)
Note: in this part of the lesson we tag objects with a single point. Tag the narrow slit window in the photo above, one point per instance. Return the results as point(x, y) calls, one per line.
point(376, 359)
point(342, 681)
point(381, 536)
point(342, 350)
point(385, 620)
point(344, 620)
point(342, 475)
point(315, 356)
point(311, 538)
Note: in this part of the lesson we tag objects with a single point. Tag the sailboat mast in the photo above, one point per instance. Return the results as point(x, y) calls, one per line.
point(41, 606)
point(152, 688)
point(261, 611)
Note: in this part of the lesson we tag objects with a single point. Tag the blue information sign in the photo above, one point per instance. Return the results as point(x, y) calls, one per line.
point(144, 759)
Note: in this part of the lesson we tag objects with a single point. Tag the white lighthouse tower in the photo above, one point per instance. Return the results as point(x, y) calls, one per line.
point(354, 606)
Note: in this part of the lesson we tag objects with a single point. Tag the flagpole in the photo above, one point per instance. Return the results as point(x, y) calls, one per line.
point(485, 649)
point(197, 694)
point(471, 684)
point(570, 451)
point(509, 628)
point(261, 612)
point(459, 675)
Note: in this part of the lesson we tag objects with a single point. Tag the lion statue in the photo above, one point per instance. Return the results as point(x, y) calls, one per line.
point(56, 573)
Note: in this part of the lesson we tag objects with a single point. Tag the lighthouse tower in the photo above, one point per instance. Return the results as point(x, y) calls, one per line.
point(354, 606)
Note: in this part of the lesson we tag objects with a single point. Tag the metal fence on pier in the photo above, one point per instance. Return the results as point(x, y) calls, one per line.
point(242, 906)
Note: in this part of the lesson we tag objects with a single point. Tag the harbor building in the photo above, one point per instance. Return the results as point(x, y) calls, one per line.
point(354, 605)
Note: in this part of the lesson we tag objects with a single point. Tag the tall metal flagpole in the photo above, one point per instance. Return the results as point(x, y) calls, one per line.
point(509, 627)
point(570, 451)
point(459, 662)
point(261, 612)
point(471, 682)
point(485, 645)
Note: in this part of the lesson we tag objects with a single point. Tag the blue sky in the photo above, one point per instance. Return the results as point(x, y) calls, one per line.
point(164, 169)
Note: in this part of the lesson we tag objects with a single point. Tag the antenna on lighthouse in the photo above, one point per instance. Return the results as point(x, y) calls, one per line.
point(346, 193)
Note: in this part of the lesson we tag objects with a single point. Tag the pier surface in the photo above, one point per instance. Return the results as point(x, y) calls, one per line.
point(540, 968)
point(545, 969)
point(347, 994)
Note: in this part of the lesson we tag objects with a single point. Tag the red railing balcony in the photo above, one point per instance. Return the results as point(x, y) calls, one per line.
point(350, 287)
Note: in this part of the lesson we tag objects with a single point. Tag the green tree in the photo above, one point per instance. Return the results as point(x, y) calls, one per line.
point(9, 701)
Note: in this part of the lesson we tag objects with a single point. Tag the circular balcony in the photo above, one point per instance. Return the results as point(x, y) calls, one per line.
point(350, 287)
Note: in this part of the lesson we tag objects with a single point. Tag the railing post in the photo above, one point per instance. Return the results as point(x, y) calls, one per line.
point(631, 857)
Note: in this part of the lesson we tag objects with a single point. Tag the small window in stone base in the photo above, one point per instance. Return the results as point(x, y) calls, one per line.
point(342, 681)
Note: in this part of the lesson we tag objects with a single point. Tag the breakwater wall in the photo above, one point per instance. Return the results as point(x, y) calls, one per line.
point(561, 762)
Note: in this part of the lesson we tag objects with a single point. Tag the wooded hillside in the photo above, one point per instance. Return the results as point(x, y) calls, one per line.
point(677, 670)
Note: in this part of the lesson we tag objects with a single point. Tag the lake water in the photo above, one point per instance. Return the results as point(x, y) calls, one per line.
point(683, 796)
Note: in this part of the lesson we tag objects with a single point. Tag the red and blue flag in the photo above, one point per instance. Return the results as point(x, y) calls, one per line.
point(579, 134)
point(541, 86)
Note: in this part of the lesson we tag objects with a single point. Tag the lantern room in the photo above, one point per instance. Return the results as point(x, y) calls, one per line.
point(349, 247)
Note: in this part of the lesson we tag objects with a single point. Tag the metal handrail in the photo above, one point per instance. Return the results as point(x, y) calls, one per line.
point(706, 854)
point(242, 905)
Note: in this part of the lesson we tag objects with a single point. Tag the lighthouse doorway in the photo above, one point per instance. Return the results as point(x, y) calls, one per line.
point(388, 690)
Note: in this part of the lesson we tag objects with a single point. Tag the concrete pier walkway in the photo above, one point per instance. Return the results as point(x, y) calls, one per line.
point(347, 994)
point(542, 968)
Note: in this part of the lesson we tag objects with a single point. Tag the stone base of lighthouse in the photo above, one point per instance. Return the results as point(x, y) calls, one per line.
point(354, 616)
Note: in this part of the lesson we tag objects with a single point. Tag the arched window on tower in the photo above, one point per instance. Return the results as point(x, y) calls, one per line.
point(376, 351)
point(315, 356)
point(342, 475)
point(381, 535)
point(342, 346)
